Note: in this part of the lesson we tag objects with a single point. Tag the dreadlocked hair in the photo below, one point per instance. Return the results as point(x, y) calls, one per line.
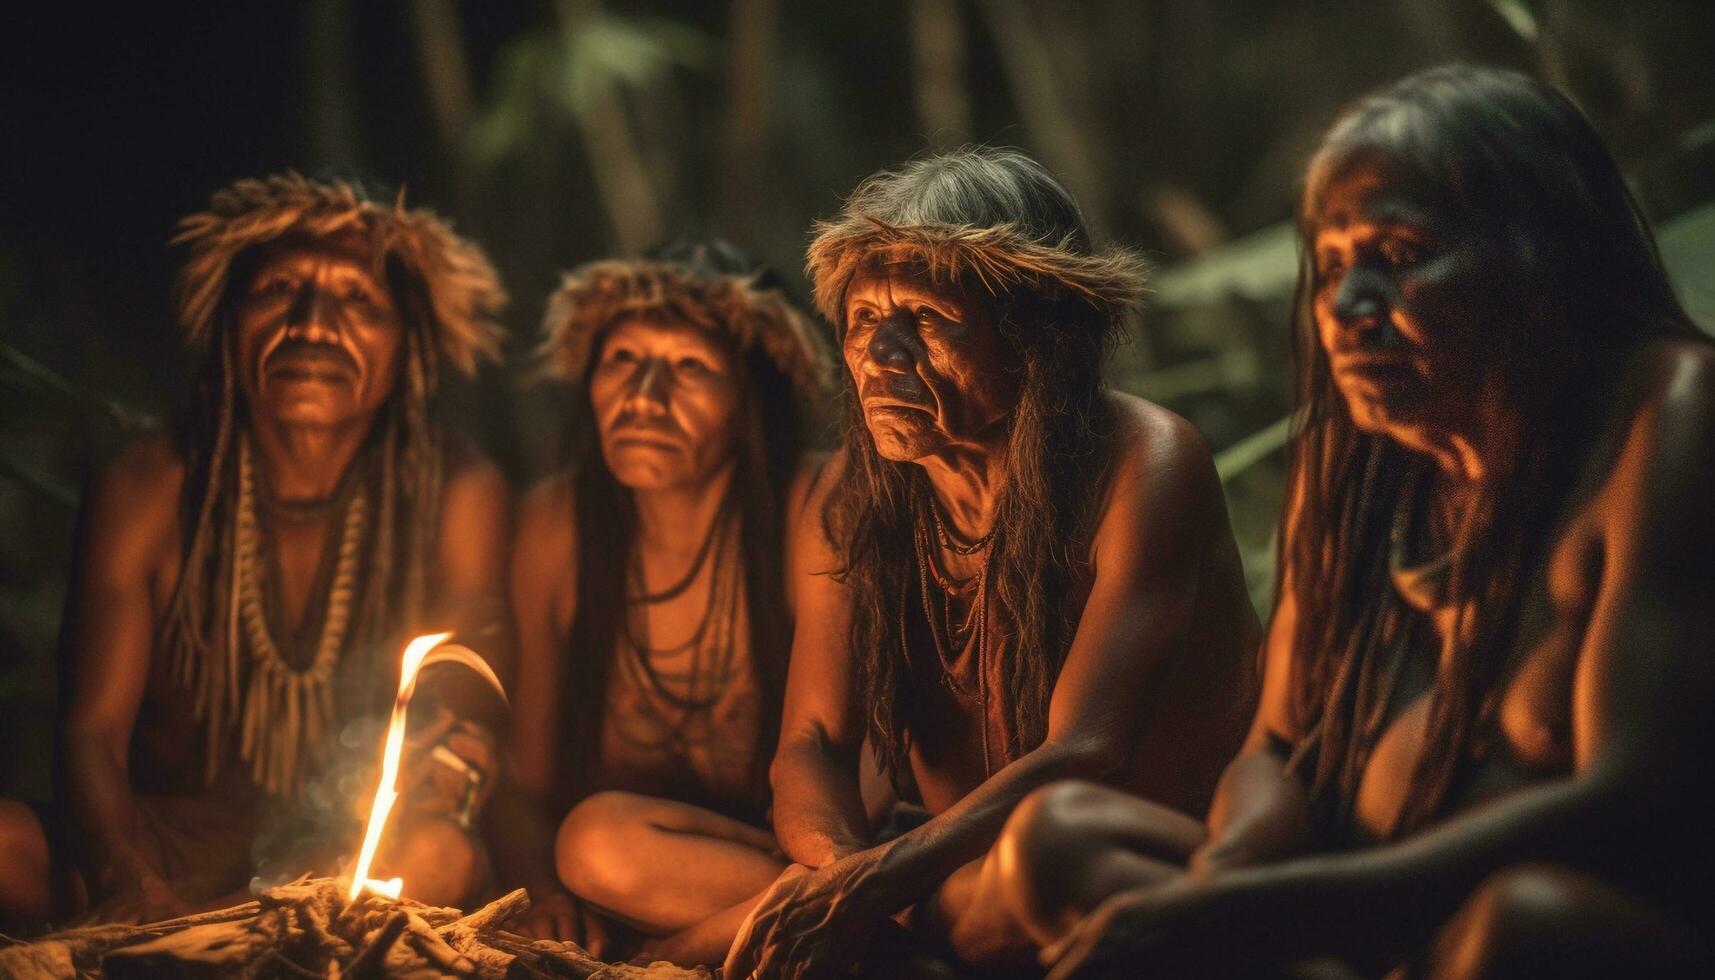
point(1578, 286)
point(995, 223)
point(402, 472)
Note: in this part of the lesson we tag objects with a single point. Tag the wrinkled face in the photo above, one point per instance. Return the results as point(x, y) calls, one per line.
point(1399, 302)
point(318, 335)
point(666, 399)
point(928, 362)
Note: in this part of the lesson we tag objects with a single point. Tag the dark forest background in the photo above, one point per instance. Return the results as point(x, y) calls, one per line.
point(555, 133)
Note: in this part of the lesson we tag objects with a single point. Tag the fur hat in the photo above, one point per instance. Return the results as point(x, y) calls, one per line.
point(999, 258)
point(464, 292)
point(593, 296)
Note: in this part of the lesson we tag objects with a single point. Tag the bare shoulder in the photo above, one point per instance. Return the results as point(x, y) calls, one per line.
point(1667, 450)
point(809, 551)
point(149, 468)
point(806, 482)
point(1668, 399)
point(1150, 437)
point(471, 479)
point(813, 488)
point(1159, 467)
point(546, 525)
point(803, 518)
point(132, 516)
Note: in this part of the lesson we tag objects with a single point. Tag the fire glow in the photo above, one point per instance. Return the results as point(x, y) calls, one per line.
point(419, 653)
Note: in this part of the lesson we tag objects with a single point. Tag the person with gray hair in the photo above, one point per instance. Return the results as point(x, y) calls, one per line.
point(1008, 575)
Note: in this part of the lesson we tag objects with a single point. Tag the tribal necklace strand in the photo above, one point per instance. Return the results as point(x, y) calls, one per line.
point(711, 644)
point(949, 636)
point(286, 707)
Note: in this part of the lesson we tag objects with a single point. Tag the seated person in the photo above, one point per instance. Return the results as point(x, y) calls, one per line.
point(1487, 675)
point(653, 609)
point(1009, 575)
point(245, 584)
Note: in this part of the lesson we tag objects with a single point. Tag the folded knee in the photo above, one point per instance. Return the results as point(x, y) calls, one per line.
point(23, 848)
point(1045, 841)
point(26, 891)
point(593, 850)
point(1514, 925)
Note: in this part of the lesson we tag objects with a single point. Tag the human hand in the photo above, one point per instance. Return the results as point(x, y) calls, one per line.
point(449, 765)
point(557, 914)
point(808, 924)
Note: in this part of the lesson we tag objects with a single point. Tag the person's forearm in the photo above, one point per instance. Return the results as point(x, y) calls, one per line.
point(818, 806)
point(112, 844)
point(913, 865)
point(1260, 814)
point(1390, 897)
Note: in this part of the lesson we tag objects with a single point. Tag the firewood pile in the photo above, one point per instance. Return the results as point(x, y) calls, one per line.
point(307, 929)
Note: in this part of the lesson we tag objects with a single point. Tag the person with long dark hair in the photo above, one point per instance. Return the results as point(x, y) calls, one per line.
point(653, 607)
point(245, 583)
point(1010, 574)
point(1487, 671)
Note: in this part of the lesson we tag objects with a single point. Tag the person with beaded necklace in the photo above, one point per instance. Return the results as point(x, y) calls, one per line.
point(652, 602)
point(1009, 575)
point(246, 583)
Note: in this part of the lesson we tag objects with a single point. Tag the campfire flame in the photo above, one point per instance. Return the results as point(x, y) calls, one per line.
point(419, 653)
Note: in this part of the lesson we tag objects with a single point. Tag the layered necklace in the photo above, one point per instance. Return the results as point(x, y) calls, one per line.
point(711, 645)
point(953, 634)
point(288, 702)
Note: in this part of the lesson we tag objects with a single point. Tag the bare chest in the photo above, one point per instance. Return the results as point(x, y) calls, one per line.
point(291, 569)
point(683, 713)
point(1532, 738)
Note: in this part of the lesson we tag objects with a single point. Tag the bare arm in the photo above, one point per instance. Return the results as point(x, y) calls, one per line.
point(818, 809)
point(544, 589)
point(475, 538)
point(1260, 813)
point(1164, 509)
point(129, 525)
point(1641, 690)
point(1148, 549)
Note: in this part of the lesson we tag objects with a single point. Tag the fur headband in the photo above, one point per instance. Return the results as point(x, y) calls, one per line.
point(593, 296)
point(464, 292)
point(999, 258)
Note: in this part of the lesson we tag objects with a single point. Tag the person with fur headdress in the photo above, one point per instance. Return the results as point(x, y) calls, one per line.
point(245, 584)
point(1009, 574)
point(653, 604)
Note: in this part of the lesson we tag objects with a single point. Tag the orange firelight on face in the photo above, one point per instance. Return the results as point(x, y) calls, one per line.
point(419, 653)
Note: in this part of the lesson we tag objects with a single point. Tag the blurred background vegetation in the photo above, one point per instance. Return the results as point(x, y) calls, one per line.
point(557, 132)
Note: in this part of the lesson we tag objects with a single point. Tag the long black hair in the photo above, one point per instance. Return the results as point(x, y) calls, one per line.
point(773, 432)
point(1579, 288)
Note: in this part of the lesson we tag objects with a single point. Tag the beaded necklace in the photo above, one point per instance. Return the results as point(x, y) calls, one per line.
point(711, 644)
point(946, 635)
point(286, 708)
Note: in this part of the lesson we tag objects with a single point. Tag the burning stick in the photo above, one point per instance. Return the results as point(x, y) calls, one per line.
point(419, 653)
